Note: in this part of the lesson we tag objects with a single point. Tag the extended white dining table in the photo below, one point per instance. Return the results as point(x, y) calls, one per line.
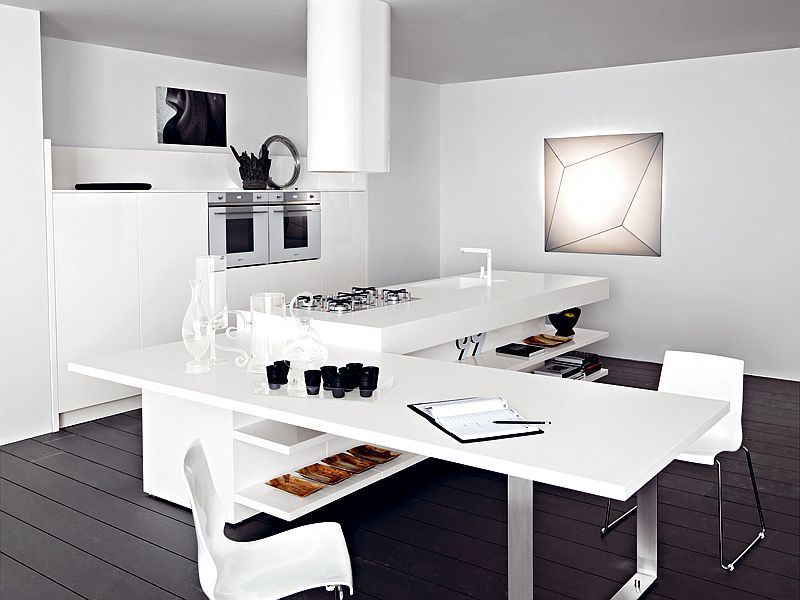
point(606, 440)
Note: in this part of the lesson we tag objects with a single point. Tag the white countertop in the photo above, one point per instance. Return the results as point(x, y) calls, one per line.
point(443, 314)
point(604, 440)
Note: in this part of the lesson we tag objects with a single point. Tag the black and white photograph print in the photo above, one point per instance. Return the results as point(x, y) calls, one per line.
point(190, 117)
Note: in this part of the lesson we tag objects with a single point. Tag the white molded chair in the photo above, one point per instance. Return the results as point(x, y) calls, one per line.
point(720, 378)
point(275, 567)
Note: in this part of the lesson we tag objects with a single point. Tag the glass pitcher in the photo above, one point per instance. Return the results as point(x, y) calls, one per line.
point(267, 325)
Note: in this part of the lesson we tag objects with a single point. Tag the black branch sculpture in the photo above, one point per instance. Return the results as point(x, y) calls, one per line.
point(253, 170)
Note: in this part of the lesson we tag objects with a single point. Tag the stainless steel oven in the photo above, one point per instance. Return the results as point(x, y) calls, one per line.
point(238, 227)
point(295, 228)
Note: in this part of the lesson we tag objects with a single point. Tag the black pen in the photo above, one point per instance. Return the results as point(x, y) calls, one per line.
point(522, 422)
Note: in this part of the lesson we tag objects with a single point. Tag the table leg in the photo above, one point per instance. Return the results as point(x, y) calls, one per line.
point(646, 543)
point(520, 539)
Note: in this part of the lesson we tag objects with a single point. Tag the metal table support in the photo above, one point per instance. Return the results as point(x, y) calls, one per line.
point(646, 543)
point(520, 541)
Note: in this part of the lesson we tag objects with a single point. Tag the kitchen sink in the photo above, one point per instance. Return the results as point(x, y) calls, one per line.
point(456, 283)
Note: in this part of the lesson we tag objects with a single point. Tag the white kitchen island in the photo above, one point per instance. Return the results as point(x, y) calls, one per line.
point(451, 308)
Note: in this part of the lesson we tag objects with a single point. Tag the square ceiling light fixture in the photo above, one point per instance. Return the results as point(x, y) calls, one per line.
point(603, 194)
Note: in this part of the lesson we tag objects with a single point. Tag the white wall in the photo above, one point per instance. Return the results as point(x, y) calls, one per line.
point(103, 97)
point(727, 281)
point(96, 96)
point(404, 204)
point(25, 405)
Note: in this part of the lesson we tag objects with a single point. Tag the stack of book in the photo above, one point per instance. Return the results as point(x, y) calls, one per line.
point(579, 364)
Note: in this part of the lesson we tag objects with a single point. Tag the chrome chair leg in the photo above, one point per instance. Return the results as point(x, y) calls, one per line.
point(762, 532)
point(611, 526)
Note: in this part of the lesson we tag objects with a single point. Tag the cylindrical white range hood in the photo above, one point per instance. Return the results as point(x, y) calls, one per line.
point(348, 85)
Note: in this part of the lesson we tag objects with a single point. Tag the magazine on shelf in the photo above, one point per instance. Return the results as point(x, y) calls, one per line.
point(521, 350)
point(555, 369)
point(576, 357)
point(472, 419)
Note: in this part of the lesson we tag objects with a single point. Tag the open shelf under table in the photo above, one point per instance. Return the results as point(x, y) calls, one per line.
point(280, 437)
point(283, 505)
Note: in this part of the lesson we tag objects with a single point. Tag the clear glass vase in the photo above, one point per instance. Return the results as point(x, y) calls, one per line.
point(268, 338)
point(304, 353)
point(211, 270)
point(196, 330)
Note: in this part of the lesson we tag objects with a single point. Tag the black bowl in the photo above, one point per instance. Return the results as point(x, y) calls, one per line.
point(565, 321)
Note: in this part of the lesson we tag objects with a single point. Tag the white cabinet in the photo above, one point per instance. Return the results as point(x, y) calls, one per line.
point(242, 282)
point(344, 240)
point(96, 289)
point(291, 278)
point(173, 231)
point(122, 262)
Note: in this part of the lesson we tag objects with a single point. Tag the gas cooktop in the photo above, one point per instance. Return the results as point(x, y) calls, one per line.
point(358, 298)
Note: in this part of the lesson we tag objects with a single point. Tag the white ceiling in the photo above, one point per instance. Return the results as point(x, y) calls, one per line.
point(441, 41)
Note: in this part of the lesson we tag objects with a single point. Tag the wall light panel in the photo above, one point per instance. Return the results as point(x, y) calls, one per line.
point(603, 194)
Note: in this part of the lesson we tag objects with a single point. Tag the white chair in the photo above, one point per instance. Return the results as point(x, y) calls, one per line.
point(720, 378)
point(275, 567)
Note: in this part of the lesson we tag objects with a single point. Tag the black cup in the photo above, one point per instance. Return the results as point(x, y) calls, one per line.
point(313, 378)
point(370, 369)
point(327, 371)
point(355, 367)
point(273, 377)
point(349, 378)
point(367, 383)
point(283, 371)
point(337, 383)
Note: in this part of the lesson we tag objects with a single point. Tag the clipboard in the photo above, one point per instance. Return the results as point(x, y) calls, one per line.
point(428, 409)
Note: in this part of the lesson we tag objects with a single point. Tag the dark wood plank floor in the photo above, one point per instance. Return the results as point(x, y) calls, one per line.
point(75, 523)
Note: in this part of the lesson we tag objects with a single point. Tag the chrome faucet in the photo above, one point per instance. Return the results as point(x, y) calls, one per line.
point(485, 274)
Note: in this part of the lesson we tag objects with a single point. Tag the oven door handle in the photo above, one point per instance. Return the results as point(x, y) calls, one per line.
point(240, 212)
point(307, 210)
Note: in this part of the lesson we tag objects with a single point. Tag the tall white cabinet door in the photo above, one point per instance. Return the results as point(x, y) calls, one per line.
point(97, 289)
point(291, 278)
point(344, 240)
point(173, 231)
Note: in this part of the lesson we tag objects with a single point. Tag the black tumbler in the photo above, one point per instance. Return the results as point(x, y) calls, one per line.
point(283, 371)
point(327, 372)
point(355, 367)
point(367, 383)
point(371, 369)
point(313, 378)
point(336, 383)
point(349, 378)
point(273, 377)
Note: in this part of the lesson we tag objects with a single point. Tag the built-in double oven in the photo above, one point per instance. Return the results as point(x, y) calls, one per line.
point(257, 228)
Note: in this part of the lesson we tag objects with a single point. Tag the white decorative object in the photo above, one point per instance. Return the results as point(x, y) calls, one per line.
point(211, 271)
point(603, 194)
point(196, 331)
point(304, 353)
point(348, 85)
point(268, 338)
